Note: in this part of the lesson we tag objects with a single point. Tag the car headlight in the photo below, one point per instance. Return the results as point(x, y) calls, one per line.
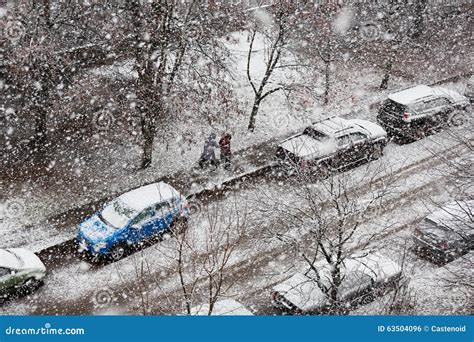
point(98, 246)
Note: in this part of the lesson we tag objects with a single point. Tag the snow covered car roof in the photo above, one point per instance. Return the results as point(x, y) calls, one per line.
point(410, 95)
point(304, 292)
point(20, 258)
point(454, 215)
point(303, 145)
point(226, 307)
point(332, 125)
point(9, 259)
point(145, 196)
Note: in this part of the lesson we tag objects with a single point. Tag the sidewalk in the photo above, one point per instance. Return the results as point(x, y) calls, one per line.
point(53, 222)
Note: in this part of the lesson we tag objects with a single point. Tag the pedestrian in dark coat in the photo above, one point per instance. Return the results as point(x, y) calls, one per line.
point(208, 156)
point(226, 153)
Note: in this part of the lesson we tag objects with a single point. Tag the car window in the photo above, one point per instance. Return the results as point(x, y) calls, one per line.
point(357, 136)
point(419, 106)
point(163, 208)
point(144, 216)
point(117, 213)
point(427, 105)
point(4, 271)
point(438, 102)
point(317, 135)
point(354, 282)
point(343, 140)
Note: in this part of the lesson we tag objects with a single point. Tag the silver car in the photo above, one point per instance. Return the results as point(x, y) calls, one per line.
point(446, 233)
point(21, 272)
point(365, 276)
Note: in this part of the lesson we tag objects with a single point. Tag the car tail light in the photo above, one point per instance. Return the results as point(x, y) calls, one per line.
point(406, 117)
point(185, 206)
point(443, 245)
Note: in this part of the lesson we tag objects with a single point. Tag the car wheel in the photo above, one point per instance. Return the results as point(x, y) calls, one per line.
point(418, 134)
point(117, 253)
point(323, 171)
point(377, 152)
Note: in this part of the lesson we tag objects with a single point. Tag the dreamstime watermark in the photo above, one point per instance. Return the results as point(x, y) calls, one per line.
point(47, 329)
point(195, 206)
point(369, 31)
point(13, 30)
point(193, 30)
point(103, 297)
point(103, 120)
point(12, 209)
point(460, 119)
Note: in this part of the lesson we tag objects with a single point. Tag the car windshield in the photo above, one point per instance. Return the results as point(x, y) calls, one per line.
point(393, 107)
point(10, 258)
point(430, 227)
point(317, 135)
point(117, 214)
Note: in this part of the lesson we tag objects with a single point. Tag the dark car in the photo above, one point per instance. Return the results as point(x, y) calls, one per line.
point(332, 144)
point(446, 233)
point(413, 113)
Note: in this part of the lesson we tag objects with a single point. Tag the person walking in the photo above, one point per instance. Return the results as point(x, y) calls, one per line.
point(208, 156)
point(226, 154)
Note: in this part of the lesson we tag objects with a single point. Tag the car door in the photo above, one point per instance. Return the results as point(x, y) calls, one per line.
point(356, 287)
point(343, 154)
point(7, 279)
point(165, 215)
point(434, 111)
point(360, 148)
point(142, 225)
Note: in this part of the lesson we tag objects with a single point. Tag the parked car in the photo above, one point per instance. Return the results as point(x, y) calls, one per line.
point(365, 276)
point(226, 307)
point(131, 219)
point(414, 112)
point(332, 144)
point(21, 272)
point(446, 233)
point(469, 92)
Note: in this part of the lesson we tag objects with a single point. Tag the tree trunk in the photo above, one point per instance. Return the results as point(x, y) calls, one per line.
point(148, 131)
point(418, 24)
point(388, 73)
point(40, 128)
point(253, 114)
point(327, 82)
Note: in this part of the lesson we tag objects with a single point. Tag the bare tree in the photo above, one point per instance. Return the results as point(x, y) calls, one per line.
point(52, 43)
point(197, 264)
point(168, 43)
point(277, 41)
point(203, 276)
point(334, 210)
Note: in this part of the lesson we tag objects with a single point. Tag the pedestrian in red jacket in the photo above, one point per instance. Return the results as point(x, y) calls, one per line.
point(226, 154)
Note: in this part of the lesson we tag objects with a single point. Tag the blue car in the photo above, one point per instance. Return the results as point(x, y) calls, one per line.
point(132, 218)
